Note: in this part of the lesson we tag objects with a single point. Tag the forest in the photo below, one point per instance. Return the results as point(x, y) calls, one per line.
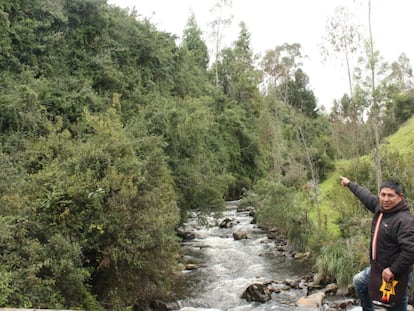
point(112, 132)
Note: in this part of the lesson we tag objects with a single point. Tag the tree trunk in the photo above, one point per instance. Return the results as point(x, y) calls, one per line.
point(374, 103)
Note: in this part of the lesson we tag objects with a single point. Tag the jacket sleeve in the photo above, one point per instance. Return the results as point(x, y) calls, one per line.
point(369, 200)
point(405, 239)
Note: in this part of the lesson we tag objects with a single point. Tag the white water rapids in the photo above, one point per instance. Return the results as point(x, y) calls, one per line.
point(228, 266)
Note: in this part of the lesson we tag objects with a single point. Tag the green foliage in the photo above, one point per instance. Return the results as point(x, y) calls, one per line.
point(192, 62)
point(340, 259)
point(398, 111)
point(195, 155)
point(35, 28)
point(299, 96)
point(243, 157)
point(399, 167)
point(279, 208)
point(5, 288)
point(118, 187)
point(298, 148)
point(21, 110)
point(110, 134)
point(52, 276)
point(237, 113)
point(238, 77)
point(84, 187)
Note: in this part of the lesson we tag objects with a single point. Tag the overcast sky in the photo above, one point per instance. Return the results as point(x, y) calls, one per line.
point(272, 23)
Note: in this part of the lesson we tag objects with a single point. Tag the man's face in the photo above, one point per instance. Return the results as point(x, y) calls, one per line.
point(389, 198)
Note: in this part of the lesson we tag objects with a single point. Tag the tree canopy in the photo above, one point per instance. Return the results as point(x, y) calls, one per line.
point(112, 132)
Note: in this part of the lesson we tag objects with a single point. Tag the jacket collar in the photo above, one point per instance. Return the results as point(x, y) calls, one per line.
point(402, 206)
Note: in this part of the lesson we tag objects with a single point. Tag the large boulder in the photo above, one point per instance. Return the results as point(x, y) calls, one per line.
point(226, 223)
point(313, 301)
point(239, 235)
point(185, 235)
point(257, 292)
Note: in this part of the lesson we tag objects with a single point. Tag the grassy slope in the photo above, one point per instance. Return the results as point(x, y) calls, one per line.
point(402, 140)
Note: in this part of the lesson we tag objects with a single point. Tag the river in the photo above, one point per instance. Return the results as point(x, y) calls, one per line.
point(226, 267)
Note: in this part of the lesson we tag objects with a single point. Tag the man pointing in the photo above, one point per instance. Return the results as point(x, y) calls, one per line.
point(389, 276)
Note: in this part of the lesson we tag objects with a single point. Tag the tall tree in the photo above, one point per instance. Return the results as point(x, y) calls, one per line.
point(237, 72)
point(279, 66)
point(222, 19)
point(375, 109)
point(288, 83)
point(300, 96)
point(343, 38)
point(239, 80)
point(192, 62)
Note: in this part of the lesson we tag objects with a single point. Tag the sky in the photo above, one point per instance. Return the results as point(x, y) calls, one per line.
point(272, 23)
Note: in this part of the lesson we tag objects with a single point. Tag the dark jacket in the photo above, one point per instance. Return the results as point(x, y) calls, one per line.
point(395, 244)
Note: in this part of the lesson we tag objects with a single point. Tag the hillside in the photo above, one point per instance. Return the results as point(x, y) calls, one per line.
point(331, 191)
point(403, 139)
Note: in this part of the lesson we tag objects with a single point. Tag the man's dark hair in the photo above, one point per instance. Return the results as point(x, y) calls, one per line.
point(392, 184)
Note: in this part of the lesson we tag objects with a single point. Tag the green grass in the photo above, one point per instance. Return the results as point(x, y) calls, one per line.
point(328, 204)
point(403, 139)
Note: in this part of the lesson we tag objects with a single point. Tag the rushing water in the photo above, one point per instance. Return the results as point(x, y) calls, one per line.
point(228, 266)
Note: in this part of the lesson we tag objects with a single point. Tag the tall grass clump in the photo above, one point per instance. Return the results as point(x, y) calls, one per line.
point(278, 208)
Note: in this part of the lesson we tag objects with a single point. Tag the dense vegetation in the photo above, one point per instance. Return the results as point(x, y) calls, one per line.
point(111, 132)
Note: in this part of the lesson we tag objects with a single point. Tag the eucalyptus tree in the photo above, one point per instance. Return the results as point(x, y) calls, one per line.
point(375, 108)
point(285, 77)
point(223, 17)
point(371, 71)
point(401, 74)
point(378, 82)
point(343, 38)
point(279, 66)
point(287, 83)
point(351, 134)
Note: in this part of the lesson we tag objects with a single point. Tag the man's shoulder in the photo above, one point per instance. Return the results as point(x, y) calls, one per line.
point(405, 216)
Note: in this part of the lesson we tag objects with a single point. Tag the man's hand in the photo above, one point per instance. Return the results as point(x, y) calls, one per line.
point(387, 274)
point(344, 181)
